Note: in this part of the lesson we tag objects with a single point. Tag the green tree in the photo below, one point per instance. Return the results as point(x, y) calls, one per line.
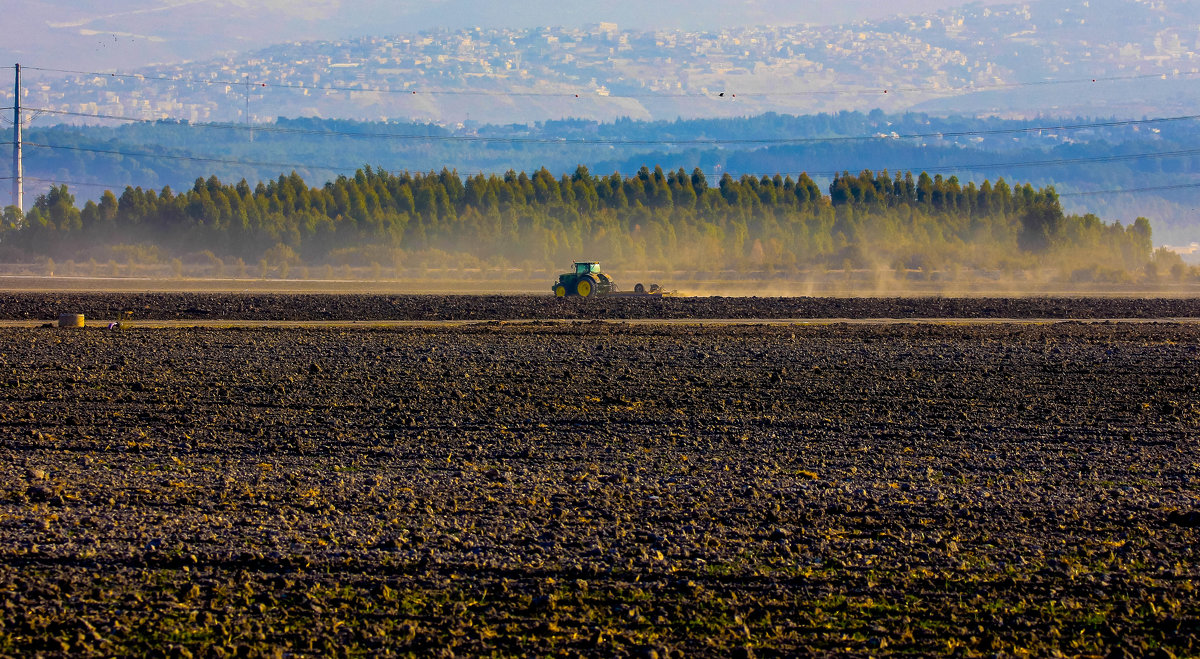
point(1041, 227)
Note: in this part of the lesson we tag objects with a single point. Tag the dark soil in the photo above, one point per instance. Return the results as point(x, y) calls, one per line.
point(252, 306)
point(601, 490)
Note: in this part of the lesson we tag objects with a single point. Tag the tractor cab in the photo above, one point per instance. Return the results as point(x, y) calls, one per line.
point(584, 267)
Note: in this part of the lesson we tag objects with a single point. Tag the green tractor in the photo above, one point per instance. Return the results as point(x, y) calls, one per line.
point(586, 281)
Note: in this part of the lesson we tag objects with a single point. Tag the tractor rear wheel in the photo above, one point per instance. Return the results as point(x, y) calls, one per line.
point(583, 288)
point(560, 291)
point(639, 289)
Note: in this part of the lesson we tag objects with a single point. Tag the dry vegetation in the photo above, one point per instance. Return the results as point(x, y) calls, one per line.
point(593, 489)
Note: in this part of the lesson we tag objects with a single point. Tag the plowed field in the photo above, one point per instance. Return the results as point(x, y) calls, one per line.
point(284, 307)
point(600, 490)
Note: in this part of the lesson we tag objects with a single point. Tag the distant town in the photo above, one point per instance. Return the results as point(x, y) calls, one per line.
point(522, 75)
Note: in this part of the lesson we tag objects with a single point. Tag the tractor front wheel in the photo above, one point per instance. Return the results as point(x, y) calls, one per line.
point(560, 291)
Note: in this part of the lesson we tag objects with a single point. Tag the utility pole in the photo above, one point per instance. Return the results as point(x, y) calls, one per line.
point(18, 194)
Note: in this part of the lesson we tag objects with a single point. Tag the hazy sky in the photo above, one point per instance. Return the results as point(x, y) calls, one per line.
point(129, 33)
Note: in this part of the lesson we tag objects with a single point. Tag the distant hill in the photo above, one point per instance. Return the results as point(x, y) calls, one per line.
point(1110, 57)
point(131, 33)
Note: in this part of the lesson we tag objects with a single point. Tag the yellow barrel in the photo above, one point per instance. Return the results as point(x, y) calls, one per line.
point(70, 320)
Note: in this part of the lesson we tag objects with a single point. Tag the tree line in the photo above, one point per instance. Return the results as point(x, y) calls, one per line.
point(156, 154)
point(654, 218)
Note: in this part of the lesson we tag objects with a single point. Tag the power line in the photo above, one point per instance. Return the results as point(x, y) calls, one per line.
point(1071, 161)
point(827, 173)
point(138, 76)
point(992, 166)
point(164, 156)
point(631, 142)
point(847, 90)
point(1088, 193)
point(715, 142)
point(81, 184)
point(1066, 81)
point(378, 90)
point(267, 128)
